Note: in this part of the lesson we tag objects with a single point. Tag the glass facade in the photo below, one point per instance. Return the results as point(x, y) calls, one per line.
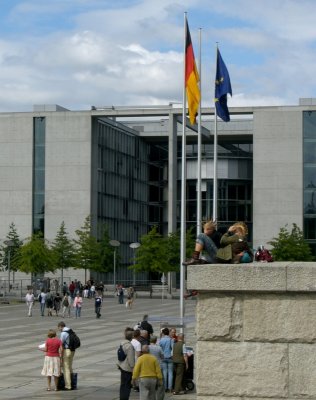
point(309, 176)
point(234, 184)
point(38, 211)
point(127, 174)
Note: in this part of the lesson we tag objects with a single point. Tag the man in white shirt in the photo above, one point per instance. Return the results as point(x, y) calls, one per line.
point(138, 351)
point(29, 299)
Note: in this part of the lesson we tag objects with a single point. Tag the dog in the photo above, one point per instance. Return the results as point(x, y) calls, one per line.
point(129, 303)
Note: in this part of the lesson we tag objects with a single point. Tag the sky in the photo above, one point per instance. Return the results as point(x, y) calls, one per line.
point(83, 53)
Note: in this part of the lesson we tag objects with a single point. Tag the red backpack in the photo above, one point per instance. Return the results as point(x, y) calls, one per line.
point(263, 255)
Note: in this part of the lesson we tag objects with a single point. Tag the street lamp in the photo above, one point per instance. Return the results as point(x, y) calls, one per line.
point(10, 244)
point(134, 246)
point(115, 244)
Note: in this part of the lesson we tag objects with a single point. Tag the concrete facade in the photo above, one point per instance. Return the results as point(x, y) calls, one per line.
point(67, 171)
point(16, 135)
point(277, 172)
point(255, 331)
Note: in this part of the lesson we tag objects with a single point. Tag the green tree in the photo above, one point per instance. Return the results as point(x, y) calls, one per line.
point(151, 255)
point(106, 251)
point(291, 245)
point(88, 248)
point(64, 250)
point(35, 256)
point(174, 247)
point(159, 253)
point(12, 249)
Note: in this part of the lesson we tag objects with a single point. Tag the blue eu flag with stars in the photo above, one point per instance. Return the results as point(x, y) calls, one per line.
point(222, 87)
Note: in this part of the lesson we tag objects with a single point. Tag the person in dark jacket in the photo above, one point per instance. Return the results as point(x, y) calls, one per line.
point(180, 362)
point(146, 326)
point(234, 246)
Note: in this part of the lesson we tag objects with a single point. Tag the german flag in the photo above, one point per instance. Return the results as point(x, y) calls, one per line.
point(191, 78)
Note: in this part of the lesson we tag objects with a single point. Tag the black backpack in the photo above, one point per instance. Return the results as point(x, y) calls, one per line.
point(121, 355)
point(73, 340)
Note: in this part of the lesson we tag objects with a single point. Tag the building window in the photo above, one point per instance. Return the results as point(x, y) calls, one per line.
point(38, 209)
point(309, 177)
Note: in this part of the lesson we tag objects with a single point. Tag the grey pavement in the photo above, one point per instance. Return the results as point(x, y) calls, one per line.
point(95, 361)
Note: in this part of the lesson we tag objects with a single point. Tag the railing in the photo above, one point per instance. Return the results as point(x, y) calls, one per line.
point(19, 287)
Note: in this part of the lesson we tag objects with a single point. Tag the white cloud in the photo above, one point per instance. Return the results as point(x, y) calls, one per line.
point(82, 52)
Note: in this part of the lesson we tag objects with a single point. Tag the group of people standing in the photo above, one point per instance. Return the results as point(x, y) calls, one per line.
point(72, 298)
point(55, 303)
point(151, 364)
point(58, 357)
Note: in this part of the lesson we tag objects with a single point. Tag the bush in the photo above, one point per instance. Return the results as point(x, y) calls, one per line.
point(291, 246)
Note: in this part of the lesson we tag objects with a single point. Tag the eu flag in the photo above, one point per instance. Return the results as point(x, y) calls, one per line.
point(222, 87)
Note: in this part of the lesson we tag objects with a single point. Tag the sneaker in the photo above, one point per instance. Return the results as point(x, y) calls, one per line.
point(191, 293)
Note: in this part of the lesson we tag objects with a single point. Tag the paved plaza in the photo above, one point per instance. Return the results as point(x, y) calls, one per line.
point(95, 361)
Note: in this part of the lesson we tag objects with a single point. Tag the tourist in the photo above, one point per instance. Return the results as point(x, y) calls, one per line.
point(29, 299)
point(54, 350)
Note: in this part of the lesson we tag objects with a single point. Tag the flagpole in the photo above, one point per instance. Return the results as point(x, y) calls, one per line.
point(183, 185)
point(199, 194)
point(215, 157)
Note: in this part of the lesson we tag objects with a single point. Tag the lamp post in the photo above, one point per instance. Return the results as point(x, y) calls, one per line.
point(134, 246)
point(10, 244)
point(115, 244)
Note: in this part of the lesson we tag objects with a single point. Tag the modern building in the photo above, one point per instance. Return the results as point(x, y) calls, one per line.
point(122, 166)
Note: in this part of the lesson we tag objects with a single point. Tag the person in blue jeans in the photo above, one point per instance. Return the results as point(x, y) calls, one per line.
point(166, 343)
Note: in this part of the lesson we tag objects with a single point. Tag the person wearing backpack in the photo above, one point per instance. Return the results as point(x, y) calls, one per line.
point(68, 354)
point(126, 366)
point(65, 303)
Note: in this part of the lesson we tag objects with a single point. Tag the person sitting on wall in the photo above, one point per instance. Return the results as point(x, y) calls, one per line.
point(206, 244)
point(234, 247)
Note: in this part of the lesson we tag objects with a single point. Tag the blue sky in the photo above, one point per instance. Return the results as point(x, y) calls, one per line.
point(79, 53)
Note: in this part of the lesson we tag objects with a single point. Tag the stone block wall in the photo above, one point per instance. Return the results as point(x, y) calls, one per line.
point(256, 331)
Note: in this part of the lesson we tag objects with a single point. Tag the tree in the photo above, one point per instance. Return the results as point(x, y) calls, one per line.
point(63, 250)
point(88, 248)
point(35, 256)
point(291, 246)
point(159, 253)
point(151, 255)
point(106, 251)
point(13, 238)
point(174, 247)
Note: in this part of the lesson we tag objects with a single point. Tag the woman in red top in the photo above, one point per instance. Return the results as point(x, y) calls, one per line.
point(53, 349)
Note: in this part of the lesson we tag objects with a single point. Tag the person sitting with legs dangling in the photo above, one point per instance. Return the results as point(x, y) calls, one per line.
point(206, 246)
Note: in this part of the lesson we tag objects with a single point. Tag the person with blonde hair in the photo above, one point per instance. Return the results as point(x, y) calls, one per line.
point(206, 245)
point(234, 246)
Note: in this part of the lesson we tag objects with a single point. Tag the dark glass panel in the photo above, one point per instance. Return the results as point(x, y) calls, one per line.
point(310, 228)
point(309, 124)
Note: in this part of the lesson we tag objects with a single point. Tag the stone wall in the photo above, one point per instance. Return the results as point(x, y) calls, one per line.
point(256, 331)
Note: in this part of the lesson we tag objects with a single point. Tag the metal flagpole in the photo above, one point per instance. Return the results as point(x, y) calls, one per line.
point(183, 185)
point(199, 194)
point(215, 157)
